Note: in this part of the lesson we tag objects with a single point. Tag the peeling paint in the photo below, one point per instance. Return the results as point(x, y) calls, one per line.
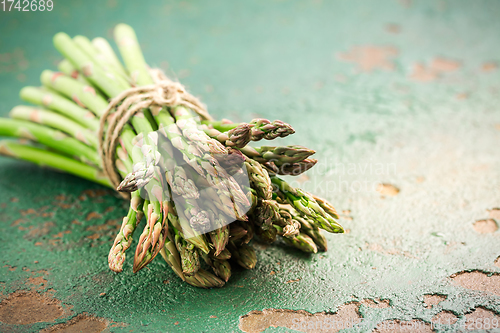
point(433, 299)
point(369, 58)
point(485, 226)
point(445, 318)
point(387, 190)
point(22, 308)
point(81, 323)
point(300, 320)
point(477, 280)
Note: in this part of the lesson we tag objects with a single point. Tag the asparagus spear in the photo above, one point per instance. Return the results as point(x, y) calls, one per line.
point(259, 179)
point(313, 232)
point(244, 255)
point(49, 137)
point(106, 53)
point(265, 213)
point(297, 168)
point(260, 128)
point(123, 240)
point(189, 256)
point(222, 268)
point(267, 235)
point(67, 68)
point(56, 121)
point(305, 203)
point(204, 279)
point(237, 137)
point(236, 231)
point(278, 155)
point(327, 207)
point(44, 157)
point(171, 255)
point(154, 235)
point(223, 255)
point(219, 236)
point(301, 241)
point(58, 103)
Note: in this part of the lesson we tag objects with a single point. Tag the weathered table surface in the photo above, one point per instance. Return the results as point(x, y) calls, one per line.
point(404, 93)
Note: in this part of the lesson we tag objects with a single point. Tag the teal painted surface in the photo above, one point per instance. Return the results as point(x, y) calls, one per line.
point(436, 141)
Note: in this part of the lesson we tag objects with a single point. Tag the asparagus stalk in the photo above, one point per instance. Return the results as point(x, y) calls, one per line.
point(259, 179)
point(171, 256)
point(154, 235)
point(106, 54)
point(222, 268)
point(123, 240)
point(313, 232)
point(244, 255)
point(58, 103)
point(44, 157)
point(49, 137)
point(265, 213)
point(297, 168)
point(237, 137)
point(87, 47)
point(223, 255)
point(204, 279)
point(67, 68)
point(305, 203)
point(56, 121)
point(278, 155)
point(267, 235)
point(301, 241)
point(260, 128)
point(189, 256)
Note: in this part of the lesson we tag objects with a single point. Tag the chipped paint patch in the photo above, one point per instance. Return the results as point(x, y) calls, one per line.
point(433, 299)
point(388, 190)
point(93, 215)
point(489, 66)
point(38, 232)
point(393, 28)
point(81, 323)
point(369, 58)
point(300, 320)
point(477, 280)
point(444, 318)
point(495, 213)
point(478, 316)
point(485, 226)
point(380, 249)
point(376, 303)
point(22, 308)
point(434, 70)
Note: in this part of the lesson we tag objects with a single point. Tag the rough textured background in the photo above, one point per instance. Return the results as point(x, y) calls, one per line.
point(396, 92)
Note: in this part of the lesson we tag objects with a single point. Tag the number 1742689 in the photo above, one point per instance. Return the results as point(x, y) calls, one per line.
point(27, 5)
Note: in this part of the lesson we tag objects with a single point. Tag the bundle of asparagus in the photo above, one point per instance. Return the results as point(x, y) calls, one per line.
point(201, 212)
